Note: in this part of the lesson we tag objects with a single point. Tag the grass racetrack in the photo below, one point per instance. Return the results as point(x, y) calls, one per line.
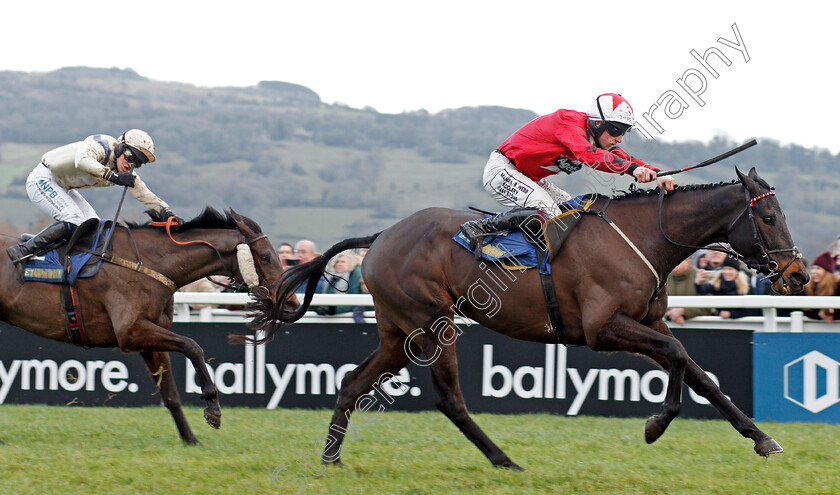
point(136, 450)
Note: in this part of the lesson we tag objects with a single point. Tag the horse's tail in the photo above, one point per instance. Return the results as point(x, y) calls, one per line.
point(308, 273)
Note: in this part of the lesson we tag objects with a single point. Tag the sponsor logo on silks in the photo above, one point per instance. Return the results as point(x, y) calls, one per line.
point(47, 189)
point(812, 381)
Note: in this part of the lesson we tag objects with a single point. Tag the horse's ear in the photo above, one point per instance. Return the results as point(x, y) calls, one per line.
point(239, 219)
point(745, 180)
point(753, 174)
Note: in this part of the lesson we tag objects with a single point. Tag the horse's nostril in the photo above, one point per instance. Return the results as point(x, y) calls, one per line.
point(800, 278)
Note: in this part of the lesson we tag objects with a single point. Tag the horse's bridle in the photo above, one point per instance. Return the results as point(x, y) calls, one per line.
point(234, 285)
point(767, 267)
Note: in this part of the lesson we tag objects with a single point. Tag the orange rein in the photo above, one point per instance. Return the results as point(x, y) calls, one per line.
point(174, 221)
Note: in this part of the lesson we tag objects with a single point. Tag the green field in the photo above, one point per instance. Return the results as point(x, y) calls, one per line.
point(127, 450)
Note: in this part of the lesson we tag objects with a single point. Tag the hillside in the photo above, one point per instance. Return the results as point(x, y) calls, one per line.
point(303, 168)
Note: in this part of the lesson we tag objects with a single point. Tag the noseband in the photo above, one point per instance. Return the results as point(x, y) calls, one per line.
point(233, 285)
point(765, 265)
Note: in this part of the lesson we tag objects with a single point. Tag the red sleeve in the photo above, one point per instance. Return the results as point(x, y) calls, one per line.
point(633, 161)
point(616, 161)
point(574, 136)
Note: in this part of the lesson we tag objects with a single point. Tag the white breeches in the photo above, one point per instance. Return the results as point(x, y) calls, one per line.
point(51, 198)
point(511, 187)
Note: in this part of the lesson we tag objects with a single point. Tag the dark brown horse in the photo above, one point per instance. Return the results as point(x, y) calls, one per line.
point(129, 309)
point(610, 299)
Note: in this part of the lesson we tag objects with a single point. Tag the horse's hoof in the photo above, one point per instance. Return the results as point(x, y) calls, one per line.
point(506, 463)
point(653, 430)
point(213, 419)
point(337, 463)
point(768, 446)
point(514, 467)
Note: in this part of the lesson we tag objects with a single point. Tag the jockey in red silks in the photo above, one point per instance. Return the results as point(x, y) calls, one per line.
point(564, 141)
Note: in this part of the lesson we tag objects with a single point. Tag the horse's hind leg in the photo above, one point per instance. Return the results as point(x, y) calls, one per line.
point(159, 366)
point(622, 333)
point(700, 382)
point(450, 402)
point(388, 359)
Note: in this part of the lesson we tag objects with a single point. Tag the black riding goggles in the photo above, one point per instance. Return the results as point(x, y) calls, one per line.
point(617, 129)
point(134, 156)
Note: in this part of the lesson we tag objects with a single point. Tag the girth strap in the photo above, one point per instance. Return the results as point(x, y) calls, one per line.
point(72, 312)
point(555, 319)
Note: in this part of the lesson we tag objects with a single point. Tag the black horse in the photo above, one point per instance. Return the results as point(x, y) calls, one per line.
point(611, 293)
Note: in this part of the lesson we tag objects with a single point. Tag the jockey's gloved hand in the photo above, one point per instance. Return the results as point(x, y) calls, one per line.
point(166, 213)
point(126, 179)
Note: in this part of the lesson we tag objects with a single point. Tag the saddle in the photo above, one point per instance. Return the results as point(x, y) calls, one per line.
point(518, 249)
point(70, 259)
point(535, 246)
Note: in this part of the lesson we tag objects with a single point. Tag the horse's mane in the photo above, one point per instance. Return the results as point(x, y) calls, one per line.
point(210, 218)
point(637, 193)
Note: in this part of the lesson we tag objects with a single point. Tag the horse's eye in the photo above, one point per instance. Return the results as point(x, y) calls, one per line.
point(265, 258)
point(769, 220)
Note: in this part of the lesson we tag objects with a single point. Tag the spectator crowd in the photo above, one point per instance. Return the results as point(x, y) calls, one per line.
point(708, 272)
point(713, 271)
point(342, 276)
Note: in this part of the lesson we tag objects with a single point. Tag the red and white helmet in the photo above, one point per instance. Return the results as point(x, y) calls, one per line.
point(611, 107)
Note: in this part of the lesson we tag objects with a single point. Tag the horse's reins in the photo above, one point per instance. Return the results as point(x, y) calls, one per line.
point(232, 286)
point(138, 265)
point(769, 267)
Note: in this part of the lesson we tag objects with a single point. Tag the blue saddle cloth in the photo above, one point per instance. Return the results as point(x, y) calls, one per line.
point(513, 251)
point(49, 267)
point(510, 251)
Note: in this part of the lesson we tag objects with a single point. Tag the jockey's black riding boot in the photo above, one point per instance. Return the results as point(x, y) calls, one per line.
point(19, 253)
point(526, 219)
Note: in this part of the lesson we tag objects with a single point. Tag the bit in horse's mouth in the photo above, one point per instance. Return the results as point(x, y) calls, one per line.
point(260, 292)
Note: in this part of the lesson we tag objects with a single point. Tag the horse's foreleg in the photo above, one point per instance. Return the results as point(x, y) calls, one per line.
point(388, 359)
point(700, 382)
point(450, 402)
point(704, 386)
point(622, 333)
point(147, 336)
point(161, 371)
point(213, 411)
